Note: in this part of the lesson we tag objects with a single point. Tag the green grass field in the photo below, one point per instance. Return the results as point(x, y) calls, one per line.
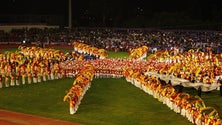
point(107, 102)
point(8, 49)
point(114, 55)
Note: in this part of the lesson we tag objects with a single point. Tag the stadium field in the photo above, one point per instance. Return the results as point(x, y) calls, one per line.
point(107, 102)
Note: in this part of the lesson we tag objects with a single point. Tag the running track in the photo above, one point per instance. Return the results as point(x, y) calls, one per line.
point(15, 118)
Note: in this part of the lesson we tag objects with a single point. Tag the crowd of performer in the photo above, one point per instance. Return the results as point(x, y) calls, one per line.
point(80, 85)
point(104, 67)
point(191, 107)
point(42, 63)
point(32, 65)
point(92, 51)
point(194, 65)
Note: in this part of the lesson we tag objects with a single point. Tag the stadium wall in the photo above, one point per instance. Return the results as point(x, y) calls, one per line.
point(8, 28)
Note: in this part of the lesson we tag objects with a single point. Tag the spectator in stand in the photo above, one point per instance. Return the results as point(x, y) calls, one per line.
point(120, 39)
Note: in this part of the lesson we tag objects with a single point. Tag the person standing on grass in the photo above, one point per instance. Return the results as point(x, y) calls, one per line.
point(29, 74)
point(23, 73)
point(7, 74)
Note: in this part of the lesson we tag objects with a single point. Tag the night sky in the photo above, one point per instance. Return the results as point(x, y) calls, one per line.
point(120, 12)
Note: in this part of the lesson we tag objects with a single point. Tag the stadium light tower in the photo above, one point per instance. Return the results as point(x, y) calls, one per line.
point(70, 14)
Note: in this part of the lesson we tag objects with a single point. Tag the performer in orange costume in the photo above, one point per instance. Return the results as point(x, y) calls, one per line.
point(29, 74)
point(23, 73)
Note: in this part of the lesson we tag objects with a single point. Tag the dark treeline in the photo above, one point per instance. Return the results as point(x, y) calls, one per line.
point(169, 14)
